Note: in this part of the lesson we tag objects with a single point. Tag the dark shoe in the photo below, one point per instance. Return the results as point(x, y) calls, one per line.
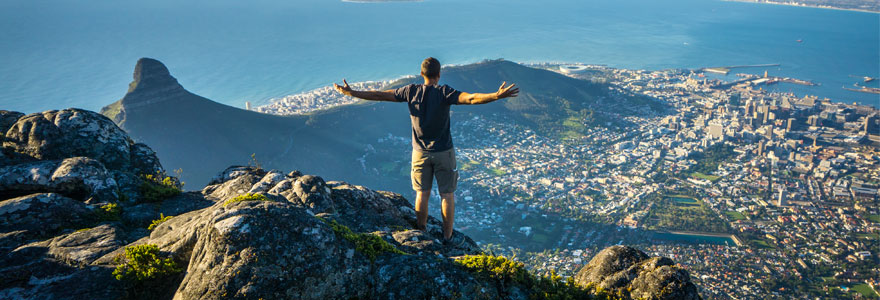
point(457, 240)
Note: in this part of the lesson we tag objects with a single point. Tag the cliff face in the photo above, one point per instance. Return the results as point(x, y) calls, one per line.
point(76, 205)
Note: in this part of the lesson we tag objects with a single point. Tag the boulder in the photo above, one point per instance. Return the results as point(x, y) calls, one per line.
point(46, 278)
point(84, 247)
point(271, 250)
point(7, 118)
point(81, 178)
point(232, 182)
point(54, 135)
point(39, 215)
point(632, 272)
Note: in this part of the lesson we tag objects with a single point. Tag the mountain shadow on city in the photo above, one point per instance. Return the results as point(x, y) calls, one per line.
point(199, 136)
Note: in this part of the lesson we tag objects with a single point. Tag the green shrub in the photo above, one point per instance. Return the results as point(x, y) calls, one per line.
point(508, 273)
point(109, 212)
point(142, 262)
point(162, 219)
point(368, 244)
point(155, 188)
point(246, 197)
point(498, 268)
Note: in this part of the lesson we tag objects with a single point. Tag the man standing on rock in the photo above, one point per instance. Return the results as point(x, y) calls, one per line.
point(433, 154)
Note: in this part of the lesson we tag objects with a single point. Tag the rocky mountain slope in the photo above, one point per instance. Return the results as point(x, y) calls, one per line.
point(200, 136)
point(89, 214)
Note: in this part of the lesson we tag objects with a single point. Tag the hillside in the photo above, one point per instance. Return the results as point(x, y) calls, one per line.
point(80, 220)
point(199, 136)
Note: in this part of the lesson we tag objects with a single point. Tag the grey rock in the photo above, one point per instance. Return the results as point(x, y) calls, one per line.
point(45, 278)
point(314, 193)
point(144, 160)
point(232, 182)
point(55, 134)
point(632, 272)
point(7, 118)
point(39, 215)
point(426, 277)
point(84, 247)
point(77, 177)
point(270, 250)
point(140, 215)
point(415, 241)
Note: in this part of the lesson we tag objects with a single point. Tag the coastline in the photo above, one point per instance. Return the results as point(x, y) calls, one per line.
point(808, 6)
point(276, 102)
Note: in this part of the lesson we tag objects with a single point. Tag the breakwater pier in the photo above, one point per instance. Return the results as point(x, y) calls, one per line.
point(725, 70)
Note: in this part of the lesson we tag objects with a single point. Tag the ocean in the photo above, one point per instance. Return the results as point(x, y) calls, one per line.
point(57, 54)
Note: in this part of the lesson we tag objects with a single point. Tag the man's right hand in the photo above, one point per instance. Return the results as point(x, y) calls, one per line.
point(508, 91)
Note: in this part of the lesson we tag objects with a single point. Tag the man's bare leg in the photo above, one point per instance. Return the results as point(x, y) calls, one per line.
point(422, 198)
point(448, 210)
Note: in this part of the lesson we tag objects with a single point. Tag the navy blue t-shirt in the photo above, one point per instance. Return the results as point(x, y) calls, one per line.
point(429, 114)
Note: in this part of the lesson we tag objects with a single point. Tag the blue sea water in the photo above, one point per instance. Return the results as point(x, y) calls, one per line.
point(56, 54)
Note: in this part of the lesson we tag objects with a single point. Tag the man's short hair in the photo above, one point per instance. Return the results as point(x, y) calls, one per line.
point(431, 67)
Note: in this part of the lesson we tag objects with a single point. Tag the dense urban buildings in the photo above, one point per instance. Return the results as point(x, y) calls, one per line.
point(758, 194)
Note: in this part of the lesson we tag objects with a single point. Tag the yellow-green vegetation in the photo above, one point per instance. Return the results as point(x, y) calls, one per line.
point(681, 212)
point(869, 236)
point(162, 218)
point(874, 218)
point(735, 215)
point(246, 197)
point(143, 262)
point(865, 290)
point(573, 128)
point(509, 273)
point(496, 171)
point(109, 212)
point(155, 188)
point(761, 244)
point(467, 165)
point(368, 244)
point(711, 178)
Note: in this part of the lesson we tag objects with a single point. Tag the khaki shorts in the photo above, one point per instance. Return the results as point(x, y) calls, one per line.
point(427, 165)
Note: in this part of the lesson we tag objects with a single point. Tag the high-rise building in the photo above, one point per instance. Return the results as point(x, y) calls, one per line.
point(780, 201)
point(789, 125)
point(716, 130)
point(870, 125)
point(247, 105)
point(813, 120)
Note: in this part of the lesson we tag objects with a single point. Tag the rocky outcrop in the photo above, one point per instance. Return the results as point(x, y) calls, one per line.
point(285, 247)
point(631, 272)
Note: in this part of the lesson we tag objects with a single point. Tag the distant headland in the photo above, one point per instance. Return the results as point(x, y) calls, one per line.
point(862, 6)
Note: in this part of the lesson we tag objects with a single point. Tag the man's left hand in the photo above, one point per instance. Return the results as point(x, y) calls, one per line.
point(344, 88)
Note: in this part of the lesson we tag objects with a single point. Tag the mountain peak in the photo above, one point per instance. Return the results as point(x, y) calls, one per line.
point(151, 74)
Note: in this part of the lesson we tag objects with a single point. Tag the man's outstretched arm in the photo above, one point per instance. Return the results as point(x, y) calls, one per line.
point(479, 98)
point(366, 95)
